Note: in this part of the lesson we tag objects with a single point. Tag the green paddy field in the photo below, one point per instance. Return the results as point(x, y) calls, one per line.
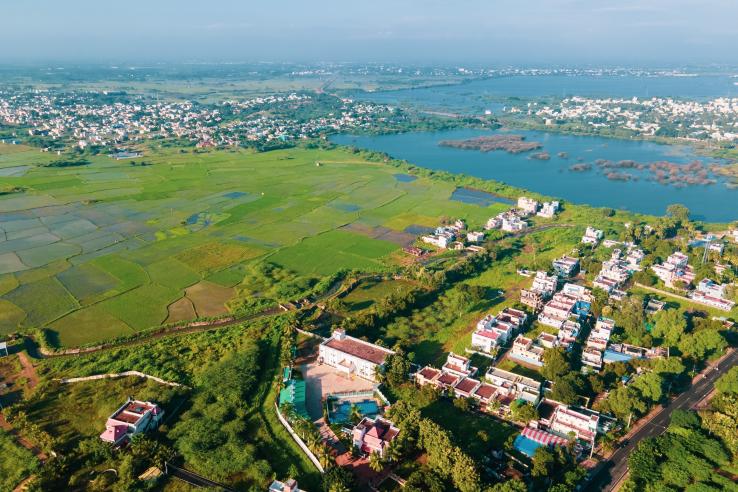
point(108, 249)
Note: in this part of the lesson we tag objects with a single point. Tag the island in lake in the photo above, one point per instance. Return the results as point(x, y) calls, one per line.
point(514, 144)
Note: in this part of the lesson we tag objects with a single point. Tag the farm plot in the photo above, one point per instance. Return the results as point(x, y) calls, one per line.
point(209, 299)
point(42, 301)
point(143, 307)
point(87, 282)
point(333, 251)
point(88, 325)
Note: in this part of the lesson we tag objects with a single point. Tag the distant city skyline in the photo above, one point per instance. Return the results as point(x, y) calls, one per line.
point(632, 32)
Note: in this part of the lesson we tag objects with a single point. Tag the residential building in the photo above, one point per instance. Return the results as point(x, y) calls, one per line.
point(566, 266)
point(133, 417)
point(528, 205)
point(674, 269)
point(494, 331)
point(712, 301)
point(374, 435)
point(514, 385)
point(531, 298)
point(466, 388)
point(527, 350)
point(475, 236)
point(289, 485)
point(711, 288)
point(458, 365)
point(549, 209)
point(592, 236)
point(580, 422)
point(353, 356)
point(545, 284)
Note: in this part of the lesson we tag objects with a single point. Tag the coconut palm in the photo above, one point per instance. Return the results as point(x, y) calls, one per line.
point(375, 462)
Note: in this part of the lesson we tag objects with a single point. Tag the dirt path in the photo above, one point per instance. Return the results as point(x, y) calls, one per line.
point(28, 371)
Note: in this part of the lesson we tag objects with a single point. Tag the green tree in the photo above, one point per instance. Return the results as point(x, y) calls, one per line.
point(567, 388)
point(542, 463)
point(728, 382)
point(375, 462)
point(555, 363)
point(523, 412)
point(650, 385)
point(670, 326)
point(702, 344)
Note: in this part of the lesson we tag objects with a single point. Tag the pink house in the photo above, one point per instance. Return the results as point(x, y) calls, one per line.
point(133, 417)
point(373, 436)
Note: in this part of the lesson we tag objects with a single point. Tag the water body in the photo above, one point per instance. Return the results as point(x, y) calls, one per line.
point(478, 197)
point(479, 95)
point(405, 178)
point(715, 203)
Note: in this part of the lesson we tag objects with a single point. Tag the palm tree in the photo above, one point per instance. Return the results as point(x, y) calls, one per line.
point(375, 462)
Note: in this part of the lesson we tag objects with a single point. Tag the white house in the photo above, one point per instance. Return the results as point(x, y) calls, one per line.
point(592, 236)
point(353, 356)
point(528, 205)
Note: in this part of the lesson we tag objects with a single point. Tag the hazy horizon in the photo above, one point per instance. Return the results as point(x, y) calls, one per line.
point(564, 32)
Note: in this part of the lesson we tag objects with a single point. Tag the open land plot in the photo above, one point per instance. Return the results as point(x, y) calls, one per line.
point(73, 412)
point(369, 291)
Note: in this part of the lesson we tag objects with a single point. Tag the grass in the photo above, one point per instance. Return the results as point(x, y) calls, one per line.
point(369, 291)
point(477, 434)
point(57, 410)
point(17, 464)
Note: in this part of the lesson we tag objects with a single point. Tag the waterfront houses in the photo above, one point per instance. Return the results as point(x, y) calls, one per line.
point(528, 205)
point(549, 209)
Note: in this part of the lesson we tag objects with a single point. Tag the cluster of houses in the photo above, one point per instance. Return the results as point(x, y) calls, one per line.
point(513, 220)
point(543, 288)
point(675, 268)
point(494, 331)
point(88, 118)
point(618, 269)
point(566, 266)
point(498, 389)
point(676, 272)
point(714, 119)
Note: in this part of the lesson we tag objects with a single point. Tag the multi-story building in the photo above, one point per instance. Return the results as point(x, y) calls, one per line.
point(514, 385)
point(527, 205)
point(592, 236)
point(353, 356)
point(674, 269)
point(374, 435)
point(527, 350)
point(566, 266)
point(549, 209)
point(133, 417)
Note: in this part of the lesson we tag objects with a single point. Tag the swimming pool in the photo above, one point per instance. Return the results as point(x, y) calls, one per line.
point(526, 445)
point(341, 411)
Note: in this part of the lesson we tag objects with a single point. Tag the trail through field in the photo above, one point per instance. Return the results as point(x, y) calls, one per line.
point(28, 371)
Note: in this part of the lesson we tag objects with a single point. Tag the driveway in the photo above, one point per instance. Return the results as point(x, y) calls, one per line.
point(322, 380)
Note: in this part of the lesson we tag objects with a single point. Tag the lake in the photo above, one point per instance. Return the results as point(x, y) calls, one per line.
point(478, 95)
point(714, 203)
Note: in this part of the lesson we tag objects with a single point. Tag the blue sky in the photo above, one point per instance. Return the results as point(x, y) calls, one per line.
point(508, 31)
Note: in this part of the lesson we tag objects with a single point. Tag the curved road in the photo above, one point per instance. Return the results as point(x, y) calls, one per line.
point(610, 477)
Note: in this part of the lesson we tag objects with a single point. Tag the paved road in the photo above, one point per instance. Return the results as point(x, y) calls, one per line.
point(194, 479)
point(610, 477)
